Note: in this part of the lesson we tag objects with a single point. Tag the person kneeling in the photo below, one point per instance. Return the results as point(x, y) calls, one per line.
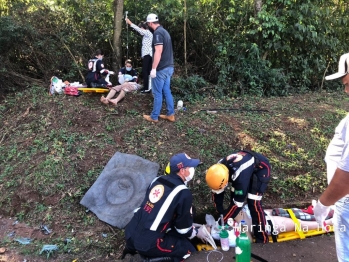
point(162, 226)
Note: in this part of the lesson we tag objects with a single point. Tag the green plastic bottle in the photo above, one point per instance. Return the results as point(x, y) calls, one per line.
point(243, 245)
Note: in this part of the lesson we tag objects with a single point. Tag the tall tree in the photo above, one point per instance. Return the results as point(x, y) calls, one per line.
point(185, 38)
point(257, 6)
point(118, 19)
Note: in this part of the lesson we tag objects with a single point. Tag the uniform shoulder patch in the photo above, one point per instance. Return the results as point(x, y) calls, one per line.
point(156, 193)
point(238, 158)
point(235, 157)
point(239, 192)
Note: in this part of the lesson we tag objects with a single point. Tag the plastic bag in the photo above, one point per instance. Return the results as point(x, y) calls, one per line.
point(72, 91)
point(56, 86)
point(210, 221)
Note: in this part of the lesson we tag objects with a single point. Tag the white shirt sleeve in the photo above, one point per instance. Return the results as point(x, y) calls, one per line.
point(344, 160)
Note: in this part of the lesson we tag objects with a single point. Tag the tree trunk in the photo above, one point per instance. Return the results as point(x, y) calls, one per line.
point(118, 19)
point(257, 6)
point(185, 38)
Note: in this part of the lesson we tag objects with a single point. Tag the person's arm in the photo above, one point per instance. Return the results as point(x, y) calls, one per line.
point(134, 76)
point(157, 56)
point(236, 201)
point(337, 188)
point(100, 68)
point(184, 217)
point(218, 202)
point(243, 171)
point(141, 31)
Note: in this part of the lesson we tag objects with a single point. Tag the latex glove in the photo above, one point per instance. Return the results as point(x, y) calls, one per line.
point(194, 233)
point(111, 72)
point(320, 213)
point(153, 73)
point(202, 234)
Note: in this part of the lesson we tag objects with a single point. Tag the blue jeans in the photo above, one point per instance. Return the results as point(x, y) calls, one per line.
point(341, 229)
point(160, 89)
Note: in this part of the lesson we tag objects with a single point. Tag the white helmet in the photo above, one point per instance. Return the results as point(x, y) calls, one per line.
point(152, 18)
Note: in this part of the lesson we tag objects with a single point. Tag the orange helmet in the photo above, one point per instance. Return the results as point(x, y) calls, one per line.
point(217, 176)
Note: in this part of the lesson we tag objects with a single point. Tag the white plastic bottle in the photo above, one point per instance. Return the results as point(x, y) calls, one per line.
point(180, 105)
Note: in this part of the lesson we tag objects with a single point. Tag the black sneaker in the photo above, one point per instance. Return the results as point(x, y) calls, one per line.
point(146, 91)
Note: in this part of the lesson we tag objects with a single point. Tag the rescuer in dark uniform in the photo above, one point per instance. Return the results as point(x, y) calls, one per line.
point(161, 227)
point(96, 69)
point(249, 175)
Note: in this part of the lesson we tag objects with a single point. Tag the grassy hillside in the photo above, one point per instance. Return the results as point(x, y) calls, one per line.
point(53, 148)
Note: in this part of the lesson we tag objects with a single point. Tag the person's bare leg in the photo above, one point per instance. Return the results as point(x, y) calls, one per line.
point(111, 94)
point(104, 100)
point(118, 98)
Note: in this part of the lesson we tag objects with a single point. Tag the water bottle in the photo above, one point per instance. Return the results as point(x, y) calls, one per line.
point(179, 105)
point(243, 245)
point(224, 238)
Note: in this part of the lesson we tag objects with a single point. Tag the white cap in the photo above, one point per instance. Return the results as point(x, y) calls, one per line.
point(343, 67)
point(152, 18)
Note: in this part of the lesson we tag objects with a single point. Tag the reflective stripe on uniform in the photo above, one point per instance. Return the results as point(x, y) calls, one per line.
point(254, 197)
point(165, 206)
point(242, 168)
point(238, 204)
point(94, 61)
point(183, 231)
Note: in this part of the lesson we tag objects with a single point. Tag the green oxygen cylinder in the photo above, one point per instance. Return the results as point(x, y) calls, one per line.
point(243, 245)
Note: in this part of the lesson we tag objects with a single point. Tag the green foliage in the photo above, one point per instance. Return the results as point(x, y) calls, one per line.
point(189, 87)
point(286, 48)
point(300, 37)
point(48, 163)
point(249, 74)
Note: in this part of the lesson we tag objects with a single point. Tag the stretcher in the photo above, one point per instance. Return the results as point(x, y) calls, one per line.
point(93, 89)
point(298, 233)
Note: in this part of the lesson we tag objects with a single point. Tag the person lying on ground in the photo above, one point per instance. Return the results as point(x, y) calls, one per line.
point(128, 83)
point(275, 225)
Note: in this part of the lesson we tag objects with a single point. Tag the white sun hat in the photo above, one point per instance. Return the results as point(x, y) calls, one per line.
point(343, 67)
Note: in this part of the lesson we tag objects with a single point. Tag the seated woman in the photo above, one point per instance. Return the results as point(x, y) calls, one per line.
point(128, 83)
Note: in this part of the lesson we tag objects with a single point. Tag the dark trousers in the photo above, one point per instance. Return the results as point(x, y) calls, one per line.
point(146, 68)
point(258, 187)
point(171, 245)
point(96, 82)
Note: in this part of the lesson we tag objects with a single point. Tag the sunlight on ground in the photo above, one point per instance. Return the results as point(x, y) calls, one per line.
point(302, 123)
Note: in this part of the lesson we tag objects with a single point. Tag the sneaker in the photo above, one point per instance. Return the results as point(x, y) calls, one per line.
point(146, 91)
point(148, 118)
point(169, 118)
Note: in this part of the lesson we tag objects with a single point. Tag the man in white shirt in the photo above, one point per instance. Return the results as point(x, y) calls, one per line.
point(337, 162)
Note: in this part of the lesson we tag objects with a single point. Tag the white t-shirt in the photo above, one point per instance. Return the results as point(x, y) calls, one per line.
point(338, 149)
